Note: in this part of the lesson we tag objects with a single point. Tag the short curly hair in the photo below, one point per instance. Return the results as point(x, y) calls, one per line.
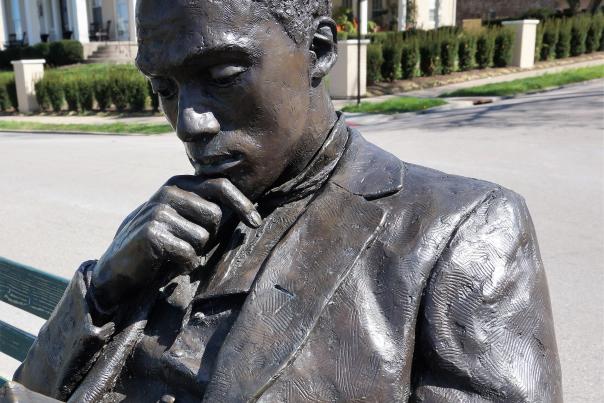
point(297, 16)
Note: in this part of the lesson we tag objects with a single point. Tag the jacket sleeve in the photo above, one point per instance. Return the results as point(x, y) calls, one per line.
point(485, 332)
point(68, 343)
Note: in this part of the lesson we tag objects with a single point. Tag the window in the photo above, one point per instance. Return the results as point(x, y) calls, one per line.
point(16, 19)
point(377, 5)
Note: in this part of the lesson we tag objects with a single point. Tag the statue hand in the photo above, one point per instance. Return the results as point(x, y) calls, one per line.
point(173, 229)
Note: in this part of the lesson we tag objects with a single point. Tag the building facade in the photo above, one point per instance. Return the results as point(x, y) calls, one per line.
point(34, 21)
point(499, 9)
point(392, 14)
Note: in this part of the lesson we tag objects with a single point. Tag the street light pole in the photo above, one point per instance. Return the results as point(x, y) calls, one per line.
point(359, 52)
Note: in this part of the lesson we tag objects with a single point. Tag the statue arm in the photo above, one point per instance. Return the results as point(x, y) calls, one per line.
point(68, 343)
point(485, 331)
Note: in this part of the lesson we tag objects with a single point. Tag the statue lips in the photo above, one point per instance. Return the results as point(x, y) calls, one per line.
point(212, 165)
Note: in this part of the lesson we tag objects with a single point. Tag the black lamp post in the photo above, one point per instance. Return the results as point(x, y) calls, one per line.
point(359, 52)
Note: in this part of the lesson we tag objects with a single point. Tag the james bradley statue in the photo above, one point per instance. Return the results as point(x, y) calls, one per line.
point(299, 262)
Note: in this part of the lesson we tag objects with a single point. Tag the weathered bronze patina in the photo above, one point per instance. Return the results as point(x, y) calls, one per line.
point(299, 262)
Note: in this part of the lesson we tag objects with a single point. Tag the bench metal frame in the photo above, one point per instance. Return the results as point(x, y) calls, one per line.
point(30, 290)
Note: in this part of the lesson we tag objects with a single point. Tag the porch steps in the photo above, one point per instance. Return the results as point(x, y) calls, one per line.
point(113, 53)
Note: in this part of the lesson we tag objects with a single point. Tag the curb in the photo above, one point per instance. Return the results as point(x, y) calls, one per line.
point(39, 131)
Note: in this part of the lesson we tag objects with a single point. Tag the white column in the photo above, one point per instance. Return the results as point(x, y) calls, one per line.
point(524, 42)
point(453, 12)
point(80, 21)
point(3, 25)
point(402, 15)
point(363, 17)
point(58, 28)
point(132, 19)
point(437, 22)
point(32, 21)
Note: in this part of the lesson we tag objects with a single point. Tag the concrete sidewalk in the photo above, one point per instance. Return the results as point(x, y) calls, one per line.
point(339, 104)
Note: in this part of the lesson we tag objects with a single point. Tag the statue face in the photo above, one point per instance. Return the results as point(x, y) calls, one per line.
point(232, 83)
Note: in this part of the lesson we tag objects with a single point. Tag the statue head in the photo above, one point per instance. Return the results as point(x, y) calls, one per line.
point(242, 82)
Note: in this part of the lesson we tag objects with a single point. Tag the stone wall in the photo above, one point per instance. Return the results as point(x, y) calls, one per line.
point(496, 9)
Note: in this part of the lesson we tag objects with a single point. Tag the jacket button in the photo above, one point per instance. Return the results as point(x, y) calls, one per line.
point(167, 399)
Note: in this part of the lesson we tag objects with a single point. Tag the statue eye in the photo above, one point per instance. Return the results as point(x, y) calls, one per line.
point(226, 74)
point(164, 87)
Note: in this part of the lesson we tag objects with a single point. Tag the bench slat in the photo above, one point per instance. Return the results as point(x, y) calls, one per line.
point(15, 342)
point(30, 289)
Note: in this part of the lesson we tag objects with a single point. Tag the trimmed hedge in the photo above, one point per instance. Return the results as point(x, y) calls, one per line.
point(391, 52)
point(578, 33)
point(8, 91)
point(63, 53)
point(41, 88)
point(86, 94)
point(72, 96)
point(102, 92)
point(594, 34)
point(502, 52)
point(122, 87)
point(448, 54)
point(447, 49)
point(409, 59)
point(564, 39)
point(440, 51)
point(429, 58)
point(485, 47)
point(374, 62)
point(60, 53)
point(551, 30)
point(467, 52)
point(573, 36)
point(55, 92)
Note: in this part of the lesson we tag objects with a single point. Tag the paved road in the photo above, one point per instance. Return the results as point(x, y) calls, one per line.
point(62, 197)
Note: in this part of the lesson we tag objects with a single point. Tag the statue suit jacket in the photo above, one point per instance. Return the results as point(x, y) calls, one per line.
point(398, 283)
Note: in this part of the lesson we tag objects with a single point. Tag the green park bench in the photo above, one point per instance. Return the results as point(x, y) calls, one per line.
point(30, 290)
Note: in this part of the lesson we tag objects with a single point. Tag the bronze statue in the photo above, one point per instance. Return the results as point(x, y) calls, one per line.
point(300, 262)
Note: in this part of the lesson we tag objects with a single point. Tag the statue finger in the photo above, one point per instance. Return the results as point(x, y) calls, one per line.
point(222, 191)
point(193, 234)
point(175, 251)
point(191, 206)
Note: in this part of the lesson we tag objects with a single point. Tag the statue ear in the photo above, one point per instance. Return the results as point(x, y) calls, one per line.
point(323, 48)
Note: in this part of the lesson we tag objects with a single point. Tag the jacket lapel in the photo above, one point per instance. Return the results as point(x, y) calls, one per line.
point(302, 274)
point(287, 299)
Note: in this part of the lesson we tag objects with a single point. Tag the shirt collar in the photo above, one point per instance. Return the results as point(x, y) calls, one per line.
point(316, 172)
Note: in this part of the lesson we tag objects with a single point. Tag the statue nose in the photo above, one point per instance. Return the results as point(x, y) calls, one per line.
point(194, 125)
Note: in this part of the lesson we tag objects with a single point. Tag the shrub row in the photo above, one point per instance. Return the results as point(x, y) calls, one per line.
point(396, 55)
point(8, 93)
point(558, 38)
point(122, 87)
point(60, 53)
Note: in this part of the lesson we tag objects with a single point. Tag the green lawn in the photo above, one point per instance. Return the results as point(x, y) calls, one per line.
point(119, 128)
point(89, 69)
point(531, 84)
point(395, 105)
point(67, 71)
